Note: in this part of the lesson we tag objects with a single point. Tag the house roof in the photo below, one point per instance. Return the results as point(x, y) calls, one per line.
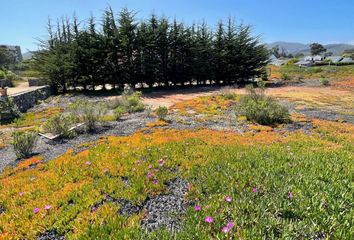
point(335, 59)
point(347, 60)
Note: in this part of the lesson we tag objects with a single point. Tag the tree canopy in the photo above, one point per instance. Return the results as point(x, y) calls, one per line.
point(317, 49)
point(119, 50)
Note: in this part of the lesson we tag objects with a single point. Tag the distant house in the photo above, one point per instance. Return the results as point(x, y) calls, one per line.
point(308, 59)
point(276, 61)
point(304, 63)
point(347, 60)
point(317, 58)
point(334, 59)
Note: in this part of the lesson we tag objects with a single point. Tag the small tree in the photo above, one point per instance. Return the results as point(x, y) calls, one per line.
point(317, 49)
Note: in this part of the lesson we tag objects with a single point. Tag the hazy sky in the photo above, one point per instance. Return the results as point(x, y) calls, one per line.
point(325, 21)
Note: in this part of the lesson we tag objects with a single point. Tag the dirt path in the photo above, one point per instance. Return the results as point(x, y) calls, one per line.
point(21, 87)
point(321, 96)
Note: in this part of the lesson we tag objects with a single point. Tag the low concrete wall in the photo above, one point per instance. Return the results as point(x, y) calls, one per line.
point(26, 100)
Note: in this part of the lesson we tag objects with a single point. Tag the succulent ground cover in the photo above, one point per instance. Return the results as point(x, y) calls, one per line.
point(335, 73)
point(202, 173)
point(262, 183)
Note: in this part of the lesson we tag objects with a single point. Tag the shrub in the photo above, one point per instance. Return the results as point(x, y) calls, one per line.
point(261, 109)
point(130, 102)
point(60, 124)
point(161, 112)
point(133, 103)
point(2, 75)
point(11, 76)
point(292, 61)
point(285, 76)
point(88, 112)
point(324, 81)
point(24, 143)
point(227, 94)
point(118, 113)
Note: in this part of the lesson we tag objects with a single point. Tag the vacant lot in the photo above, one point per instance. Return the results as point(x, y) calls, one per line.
point(201, 173)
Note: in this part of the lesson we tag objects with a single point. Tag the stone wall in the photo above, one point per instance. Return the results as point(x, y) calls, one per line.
point(26, 100)
point(5, 83)
point(35, 82)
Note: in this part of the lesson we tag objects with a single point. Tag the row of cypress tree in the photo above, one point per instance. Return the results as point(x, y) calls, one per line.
point(120, 50)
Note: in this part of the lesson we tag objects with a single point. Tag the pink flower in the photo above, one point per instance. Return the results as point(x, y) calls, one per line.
point(225, 230)
point(228, 199)
point(207, 206)
point(156, 170)
point(150, 166)
point(150, 175)
point(21, 194)
point(209, 219)
point(254, 189)
point(290, 195)
point(230, 225)
point(138, 162)
point(154, 181)
point(197, 208)
point(161, 162)
point(36, 210)
point(47, 207)
point(134, 169)
point(88, 163)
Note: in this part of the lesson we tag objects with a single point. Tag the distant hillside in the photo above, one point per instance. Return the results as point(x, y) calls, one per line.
point(27, 55)
point(295, 48)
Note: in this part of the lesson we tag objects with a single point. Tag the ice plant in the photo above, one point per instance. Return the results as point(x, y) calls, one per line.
point(209, 219)
point(197, 208)
point(47, 207)
point(36, 210)
point(150, 166)
point(225, 230)
point(21, 194)
point(154, 181)
point(88, 163)
point(254, 189)
point(228, 199)
point(150, 175)
point(290, 195)
point(161, 162)
point(230, 225)
point(138, 162)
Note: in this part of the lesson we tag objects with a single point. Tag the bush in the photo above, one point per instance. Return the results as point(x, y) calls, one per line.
point(24, 143)
point(2, 75)
point(285, 76)
point(261, 109)
point(88, 112)
point(227, 94)
point(292, 61)
point(11, 76)
point(60, 124)
point(118, 113)
point(161, 112)
point(130, 102)
point(324, 81)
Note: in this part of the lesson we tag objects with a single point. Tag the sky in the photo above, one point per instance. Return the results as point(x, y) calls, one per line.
point(22, 22)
